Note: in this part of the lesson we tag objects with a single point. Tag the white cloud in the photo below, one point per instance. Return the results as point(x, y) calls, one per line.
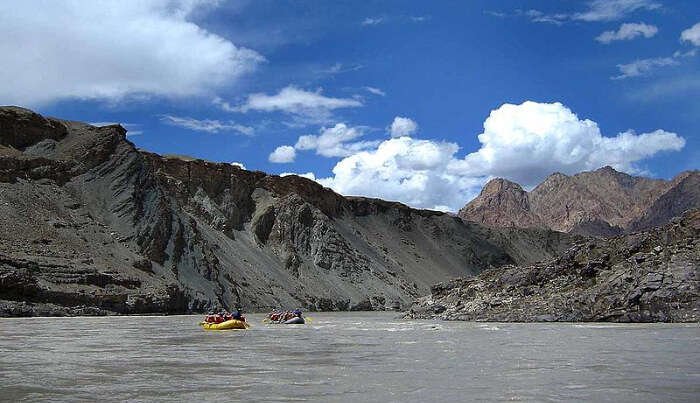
point(529, 141)
point(402, 127)
point(689, 53)
point(597, 10)
point(524, 143)
point(539, 16)
point(342, 68)
point(409, 170)
point(109, 50)
point(336, 141)
point(643, 67)
point(611, 10)
point(308, 175)
point(692, 34)
point(225, 106)
point(495, 13)
point(627, 32)
point(372, 21)
point(309, 107)
point(206, 125)
point(375, 91)
point(667, 89)
point(238, 164)
point(283, 155)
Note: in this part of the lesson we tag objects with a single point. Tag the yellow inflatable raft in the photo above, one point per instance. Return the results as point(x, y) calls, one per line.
point(229, 324)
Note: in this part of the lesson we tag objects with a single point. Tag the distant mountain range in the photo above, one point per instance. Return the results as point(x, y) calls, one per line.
point(603, 202)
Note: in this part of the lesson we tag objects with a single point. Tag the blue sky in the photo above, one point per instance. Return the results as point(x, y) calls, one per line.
point(420, 102)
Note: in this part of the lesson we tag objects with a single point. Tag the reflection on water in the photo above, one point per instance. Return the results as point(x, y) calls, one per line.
point(352, 357)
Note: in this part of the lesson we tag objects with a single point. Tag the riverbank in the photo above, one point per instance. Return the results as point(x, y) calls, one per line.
point(650, 276)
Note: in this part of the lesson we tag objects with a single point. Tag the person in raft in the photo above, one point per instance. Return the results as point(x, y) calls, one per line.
point(223, 316)
point(237, 315)
point(276, 316)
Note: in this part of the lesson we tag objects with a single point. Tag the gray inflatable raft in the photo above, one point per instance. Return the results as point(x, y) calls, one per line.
point(295, 321)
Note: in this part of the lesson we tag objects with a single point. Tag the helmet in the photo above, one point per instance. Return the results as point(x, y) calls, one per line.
point(297, 312)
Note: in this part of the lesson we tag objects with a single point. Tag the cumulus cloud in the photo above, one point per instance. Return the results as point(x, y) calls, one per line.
point(642, 67)
point(627, 32)
point(524, 143)
point(109, 50)
point(238, 164)
point(402, 127)
point(692, 34)
point(529, 141)
point(336, 141)
point(308, 106)
point(206, 125)
point(409, 170)
point(283, 155)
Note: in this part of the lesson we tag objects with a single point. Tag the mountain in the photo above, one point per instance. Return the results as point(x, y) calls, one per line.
point(603, 202)
point(93, 225)
point(649, 276)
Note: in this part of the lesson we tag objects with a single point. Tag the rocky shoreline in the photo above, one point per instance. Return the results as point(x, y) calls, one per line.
point(650, 276)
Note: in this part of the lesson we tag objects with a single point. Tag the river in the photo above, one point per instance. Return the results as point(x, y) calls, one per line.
point(345, 357)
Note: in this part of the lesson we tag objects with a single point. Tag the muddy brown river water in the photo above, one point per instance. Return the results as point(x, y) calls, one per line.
point(345, 357)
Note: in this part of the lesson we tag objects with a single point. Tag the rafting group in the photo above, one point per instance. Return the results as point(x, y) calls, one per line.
point(223, 320)
point(286, 317)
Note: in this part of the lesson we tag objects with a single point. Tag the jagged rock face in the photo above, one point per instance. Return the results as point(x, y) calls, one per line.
point(599, 203)
point(682, 196)
point(643, 277)
point(91, 225)
point(501, 203)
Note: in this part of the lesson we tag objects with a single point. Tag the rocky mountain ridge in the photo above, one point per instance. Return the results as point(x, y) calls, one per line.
point(92, 225)
point(603, 202)
point(651, 276)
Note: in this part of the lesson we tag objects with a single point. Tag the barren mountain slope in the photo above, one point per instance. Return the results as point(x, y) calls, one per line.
point(91, 225)
point(501, 203)
point(603, 202)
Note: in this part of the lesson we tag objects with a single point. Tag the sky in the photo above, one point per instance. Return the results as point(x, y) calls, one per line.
point(414, 101)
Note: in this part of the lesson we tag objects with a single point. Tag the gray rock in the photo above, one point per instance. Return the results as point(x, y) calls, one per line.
point(608, 282)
